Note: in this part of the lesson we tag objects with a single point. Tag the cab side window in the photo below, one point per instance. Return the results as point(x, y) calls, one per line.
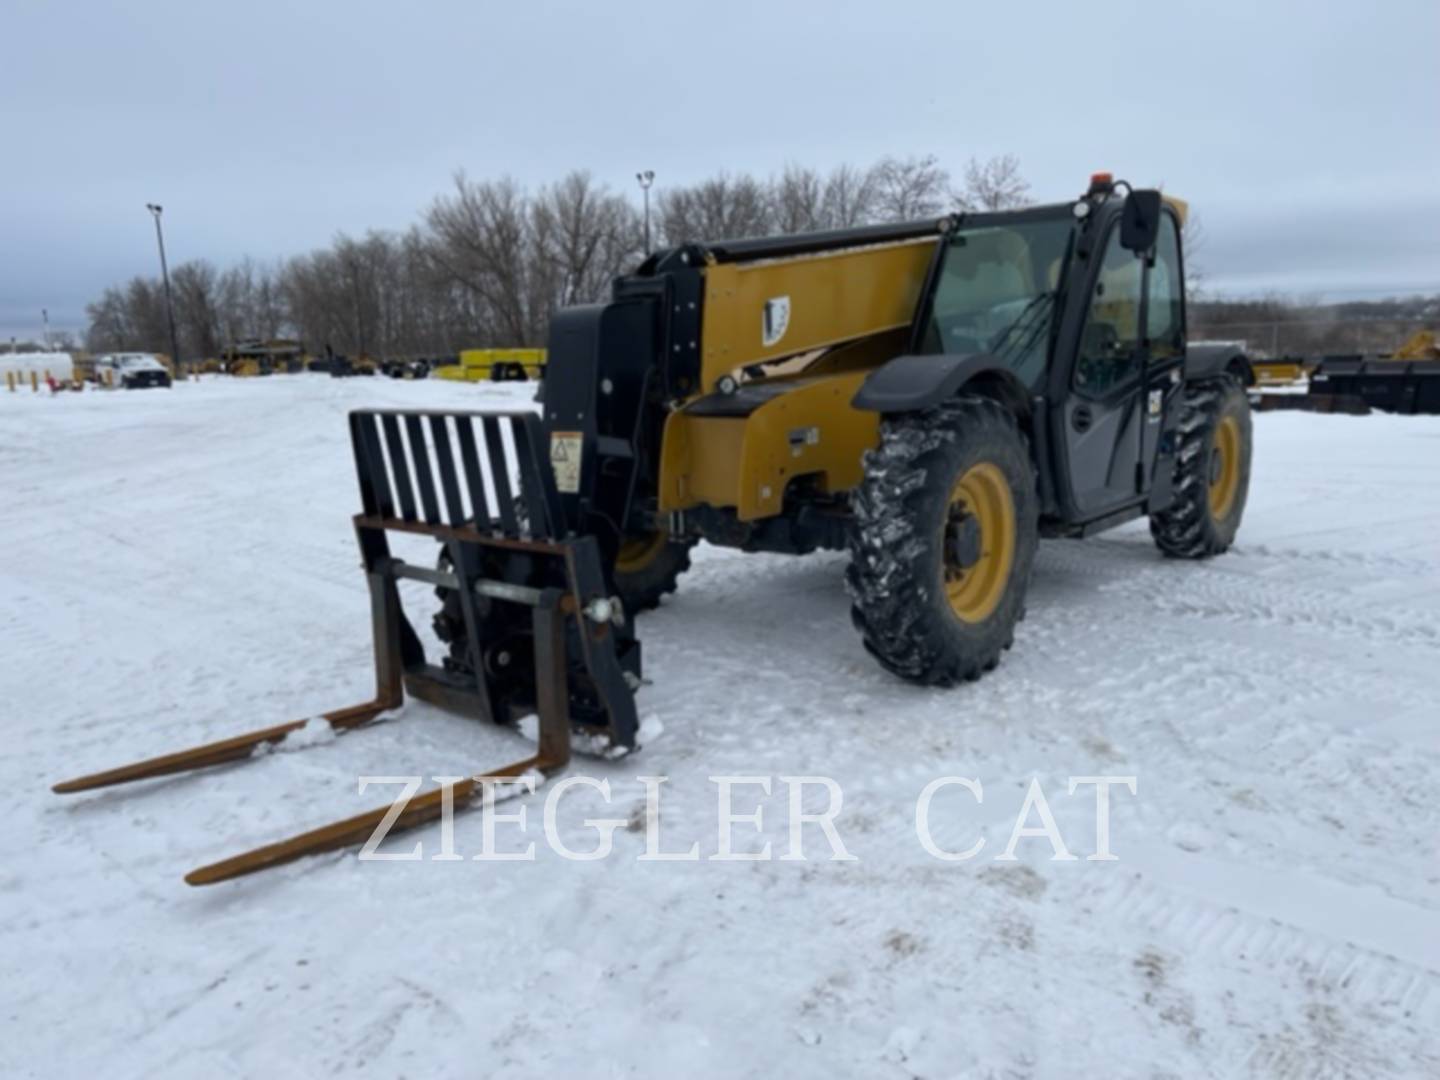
point(1110, 343)
point(1165, 322)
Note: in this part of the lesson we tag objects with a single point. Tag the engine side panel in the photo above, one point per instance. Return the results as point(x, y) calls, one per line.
point(745, 462)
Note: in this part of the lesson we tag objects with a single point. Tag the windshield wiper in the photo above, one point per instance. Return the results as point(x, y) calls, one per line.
point(1025, 328)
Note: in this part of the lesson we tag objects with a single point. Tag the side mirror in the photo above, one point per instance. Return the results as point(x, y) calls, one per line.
point(1140, 220)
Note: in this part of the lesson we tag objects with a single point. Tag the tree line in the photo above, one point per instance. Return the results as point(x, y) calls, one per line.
point(490, 259)
point(1277, 325)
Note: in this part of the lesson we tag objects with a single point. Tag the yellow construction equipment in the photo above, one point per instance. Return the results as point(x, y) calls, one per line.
point(931, 396)
point(1420, 345)
point(249, 358)
point(495, 365)
point(1278, 372)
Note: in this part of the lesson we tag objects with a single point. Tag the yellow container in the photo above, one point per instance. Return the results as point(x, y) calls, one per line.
point(495, 365)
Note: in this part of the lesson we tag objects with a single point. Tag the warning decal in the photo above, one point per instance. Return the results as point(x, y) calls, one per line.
point(566, 448)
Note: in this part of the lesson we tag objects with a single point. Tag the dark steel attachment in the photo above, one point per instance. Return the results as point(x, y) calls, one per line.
point(479, 484)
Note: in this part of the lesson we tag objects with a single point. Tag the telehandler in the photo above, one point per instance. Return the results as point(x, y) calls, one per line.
point(932, 396)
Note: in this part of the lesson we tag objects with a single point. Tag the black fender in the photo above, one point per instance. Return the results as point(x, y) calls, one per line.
point(1208, 361)
point(911, 383)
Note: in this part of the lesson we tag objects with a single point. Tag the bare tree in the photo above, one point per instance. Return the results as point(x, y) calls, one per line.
point(267, 305)
point(584, 235)
point(721, 208)
point(145, 305)
point(249, 304)
point(235, 302)
point(324, 304)
point(851, 197)
point(797, 201)
point(908, 188)
point(490, 261)
point(110, 327)
point(993, 184)
point(482, 236)
point(196, 314)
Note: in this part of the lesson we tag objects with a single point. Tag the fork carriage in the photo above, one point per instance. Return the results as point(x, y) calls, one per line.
point(474, 481)
point(504, 538)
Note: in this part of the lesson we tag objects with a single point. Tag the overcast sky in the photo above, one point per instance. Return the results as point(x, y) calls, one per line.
point(1306, 135)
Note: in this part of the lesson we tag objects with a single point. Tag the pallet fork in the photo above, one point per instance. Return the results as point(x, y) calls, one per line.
point(508, 550)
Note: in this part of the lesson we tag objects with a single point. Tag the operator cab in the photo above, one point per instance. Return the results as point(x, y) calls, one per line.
point(996, 286)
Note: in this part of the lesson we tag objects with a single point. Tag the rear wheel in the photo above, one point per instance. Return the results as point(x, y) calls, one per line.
point(946, 527)
point(648, 567)
point(1212, 472)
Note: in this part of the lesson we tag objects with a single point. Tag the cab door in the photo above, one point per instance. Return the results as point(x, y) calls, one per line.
point(1164, 340)
point(1127, 374)
point(1103, 411)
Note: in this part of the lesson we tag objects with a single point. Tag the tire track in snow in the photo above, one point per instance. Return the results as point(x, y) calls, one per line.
point(1214, 928)
point(1226, 594)
point(1307, 942)
point(1286, 556)
point(1313, 613)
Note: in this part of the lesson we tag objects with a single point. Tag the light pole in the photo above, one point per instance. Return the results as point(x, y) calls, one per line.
point(645, 179)
point(155, 210)
point(45, 318)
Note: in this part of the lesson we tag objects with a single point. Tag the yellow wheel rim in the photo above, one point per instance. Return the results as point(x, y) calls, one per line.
point(640, 551)
point(1224, 468)
point(980, 501)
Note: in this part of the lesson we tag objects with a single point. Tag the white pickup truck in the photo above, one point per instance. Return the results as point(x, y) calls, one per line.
point(131, 371)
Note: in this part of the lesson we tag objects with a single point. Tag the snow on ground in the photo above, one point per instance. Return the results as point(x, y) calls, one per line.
point(178, 566)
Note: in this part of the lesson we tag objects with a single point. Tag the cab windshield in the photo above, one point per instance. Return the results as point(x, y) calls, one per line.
point(996, 291)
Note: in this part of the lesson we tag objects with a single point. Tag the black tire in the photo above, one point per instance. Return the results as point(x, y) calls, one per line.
point(449, 622)
point(903, 520)
point(639, 590)
point(641, 582)
point(508, 659)
point(1193, 526)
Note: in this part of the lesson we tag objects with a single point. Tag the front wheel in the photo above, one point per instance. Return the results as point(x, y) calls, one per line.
point(946, 528)
point(648, 567)
point(1212, 472)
